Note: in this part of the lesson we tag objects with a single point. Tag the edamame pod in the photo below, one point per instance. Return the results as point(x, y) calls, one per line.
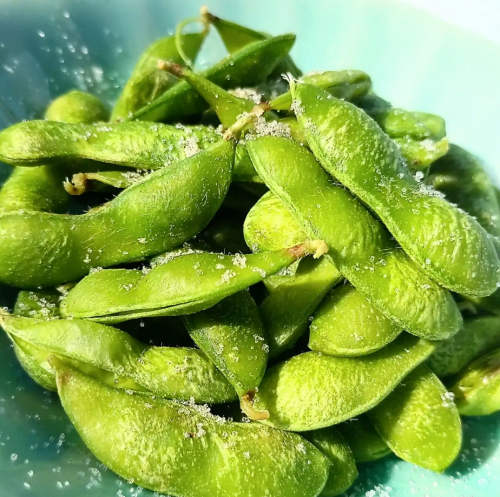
point(347, 85)
point(420, 422)
point(113, 356)
point(420, 137)
point(477, 386)
point(181, 450)
point(343, 471)
point(183, 285)
point(40, 189)
point(147, 82)
point(250, 65)
point(139, 145)
point(77, 107)
point(360, 247)
point(462, 178)
point(365, 443)
point(40, 249)
point(235, 37)
point(38, 304)
point(478, 335)
point(443, 241)
point(313, 390)
point(34, 369)
point(346, 324)
point(232, 335)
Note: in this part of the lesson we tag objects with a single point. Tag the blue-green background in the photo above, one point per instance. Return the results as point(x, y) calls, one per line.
point(416, 61)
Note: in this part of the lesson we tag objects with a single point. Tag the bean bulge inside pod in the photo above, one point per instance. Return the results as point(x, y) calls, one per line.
point(182, 285)
point(43, 249)
point(445, 243)
point(183, 450)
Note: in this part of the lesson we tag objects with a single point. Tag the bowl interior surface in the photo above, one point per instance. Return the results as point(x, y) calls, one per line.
point(416, 61)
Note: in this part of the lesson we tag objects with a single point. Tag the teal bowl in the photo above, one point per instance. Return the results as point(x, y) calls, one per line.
point(416, 61)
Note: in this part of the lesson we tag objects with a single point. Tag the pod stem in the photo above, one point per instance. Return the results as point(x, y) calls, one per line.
point(246, 119)
point(178, 36)
point(78, 184)
point(246, 405)
point(171, 67)
point(316, 248)
point(206, 15)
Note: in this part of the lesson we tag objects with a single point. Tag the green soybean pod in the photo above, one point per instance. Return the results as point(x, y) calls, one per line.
point(41, 189)
point(420, 422)
point(181, 450)
point(147, 82)
point(232, 335)
point(313, 390)
point(347, 85)
point(34, 369)
point(478, 335)
point(235, 37)
point(138, 145)
point(250, 65)
point(343, 471)
point(420, 136)
point(181, 285)
point(133, 225)
point(462, 178)
point(38, 304)
point(365, 443)
point(360, 246)
point(443, 241)
point(346, 324)
point(114, 357)
point(477, 387)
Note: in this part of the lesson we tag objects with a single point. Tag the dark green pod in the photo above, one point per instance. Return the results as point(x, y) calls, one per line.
point(41, 249)
point(248, 66)
point(147, 82)
point(478, 335)
point(360, 246)
point(445, 243)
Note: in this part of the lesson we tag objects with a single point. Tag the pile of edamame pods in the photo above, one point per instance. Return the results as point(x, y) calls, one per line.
point(281, 275)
